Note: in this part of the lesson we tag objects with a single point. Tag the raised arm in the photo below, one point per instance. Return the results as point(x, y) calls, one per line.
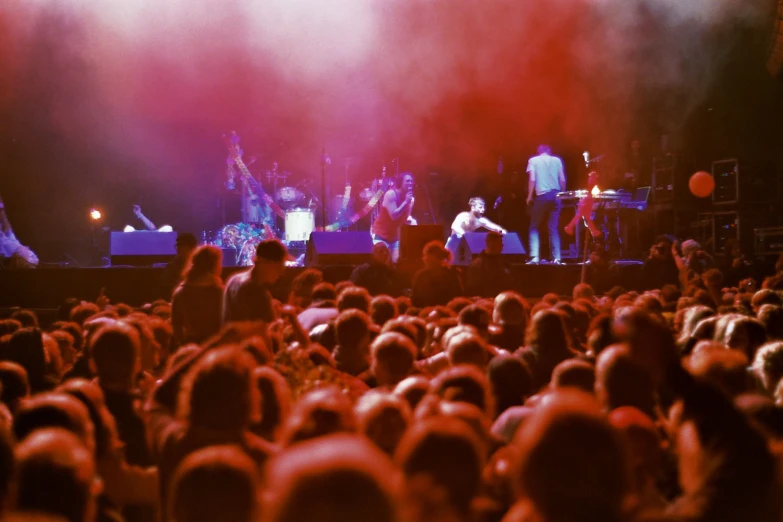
point(390, 204)
point(147, 223)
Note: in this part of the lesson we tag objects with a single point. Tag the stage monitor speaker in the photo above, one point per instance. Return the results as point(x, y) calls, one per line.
point(414, 237)
point(472, 244)
point(142, 247)
point(338, 248)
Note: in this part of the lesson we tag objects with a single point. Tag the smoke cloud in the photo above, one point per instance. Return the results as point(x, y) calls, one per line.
point(132, 96)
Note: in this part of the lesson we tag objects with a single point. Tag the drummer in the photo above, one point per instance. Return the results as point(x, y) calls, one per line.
point(470, 222)
point(396, 208)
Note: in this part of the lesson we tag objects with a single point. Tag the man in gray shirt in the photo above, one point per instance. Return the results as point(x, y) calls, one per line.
point(547, 178)
point(247, 296)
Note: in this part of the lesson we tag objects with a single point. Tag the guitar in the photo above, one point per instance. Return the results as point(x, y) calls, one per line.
point(232, 143)
point(342, 215)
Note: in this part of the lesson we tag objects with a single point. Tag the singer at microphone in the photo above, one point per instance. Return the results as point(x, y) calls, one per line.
point(395, 211)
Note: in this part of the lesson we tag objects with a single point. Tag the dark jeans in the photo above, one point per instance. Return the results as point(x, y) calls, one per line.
point(545, 209)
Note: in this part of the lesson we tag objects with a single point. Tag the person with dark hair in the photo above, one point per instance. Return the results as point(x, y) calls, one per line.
point(275, 402)
point(133, 489)
point(354, 297)
point(26, 348)
point(467, 384)
point(622, 381)
point(54, 410)
point(383, 418)
point(573, 373)
point(82, 312)
point(395, 210)
point(726, 469)
point(247, 296)
point(185, 245)
point(9, 326)
point(391, 360)
point(745, 334)
point(321, 412)
point(599, 335)
point(382, 309)
point(556, 479)
point(219, 401)
point(442, 452)
point(322, 309)
point(771, 317)
point(301, 295)
point(26, 318)
point(337, 478)
point(660, 268)
point(196, 305)
point(378, 275)
point(352, 353)
point(438, 282)
point(6, 467)
point(546, 179)
point(548, 344)
point(510, 316)
point(215, 483)
point(13, 385)
point(468, 348)
point(55, 476)
point(116, 360)
point(510, 382)
point(412, 389)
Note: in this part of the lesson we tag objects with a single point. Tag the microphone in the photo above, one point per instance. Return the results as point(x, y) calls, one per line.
point(498, 201)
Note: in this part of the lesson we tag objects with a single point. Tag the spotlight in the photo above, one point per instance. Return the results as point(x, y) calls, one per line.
point(95, 214)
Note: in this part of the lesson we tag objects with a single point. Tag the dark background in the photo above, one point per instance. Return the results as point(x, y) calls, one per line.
point(111, 104)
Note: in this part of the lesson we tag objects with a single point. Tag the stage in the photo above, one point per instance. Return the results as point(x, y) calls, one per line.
point(49, 287)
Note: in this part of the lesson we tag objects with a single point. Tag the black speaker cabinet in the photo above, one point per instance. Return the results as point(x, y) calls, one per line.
point(338, 248)
point(414, 237)
point(473, 243)
point(142, 247)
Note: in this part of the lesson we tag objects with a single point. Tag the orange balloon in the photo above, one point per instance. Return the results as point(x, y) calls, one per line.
point(701, 184)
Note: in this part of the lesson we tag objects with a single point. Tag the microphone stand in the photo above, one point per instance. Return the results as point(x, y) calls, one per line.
point(323, 187)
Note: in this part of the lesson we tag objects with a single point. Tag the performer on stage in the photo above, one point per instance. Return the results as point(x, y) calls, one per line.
point(20, 256)
point(547, 178)
point(470, 222)
point(395, 211)
point(254, 209)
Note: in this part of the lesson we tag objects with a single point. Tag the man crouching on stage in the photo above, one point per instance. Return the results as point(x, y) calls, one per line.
point(470, 222)
point(396, 208)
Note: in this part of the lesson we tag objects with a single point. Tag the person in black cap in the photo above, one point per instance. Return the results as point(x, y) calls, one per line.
point(247, 296)
point(173, 273)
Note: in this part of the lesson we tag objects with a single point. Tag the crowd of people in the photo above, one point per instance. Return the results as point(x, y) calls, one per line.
point(461, 402)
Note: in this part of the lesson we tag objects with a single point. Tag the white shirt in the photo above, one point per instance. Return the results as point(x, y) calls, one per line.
point(8, 244)
point(545, 172)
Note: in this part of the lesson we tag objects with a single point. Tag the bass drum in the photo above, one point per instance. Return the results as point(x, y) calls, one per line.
point(299, 224)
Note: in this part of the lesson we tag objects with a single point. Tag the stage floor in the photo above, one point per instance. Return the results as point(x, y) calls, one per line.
point(49, 287)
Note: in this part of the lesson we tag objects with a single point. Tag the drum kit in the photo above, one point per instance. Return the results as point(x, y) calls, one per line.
point(298, 204)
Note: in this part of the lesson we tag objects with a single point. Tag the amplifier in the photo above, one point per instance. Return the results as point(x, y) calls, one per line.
point(741, 225)
point(768, 241)
point(742, 181)
point(670, 179)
